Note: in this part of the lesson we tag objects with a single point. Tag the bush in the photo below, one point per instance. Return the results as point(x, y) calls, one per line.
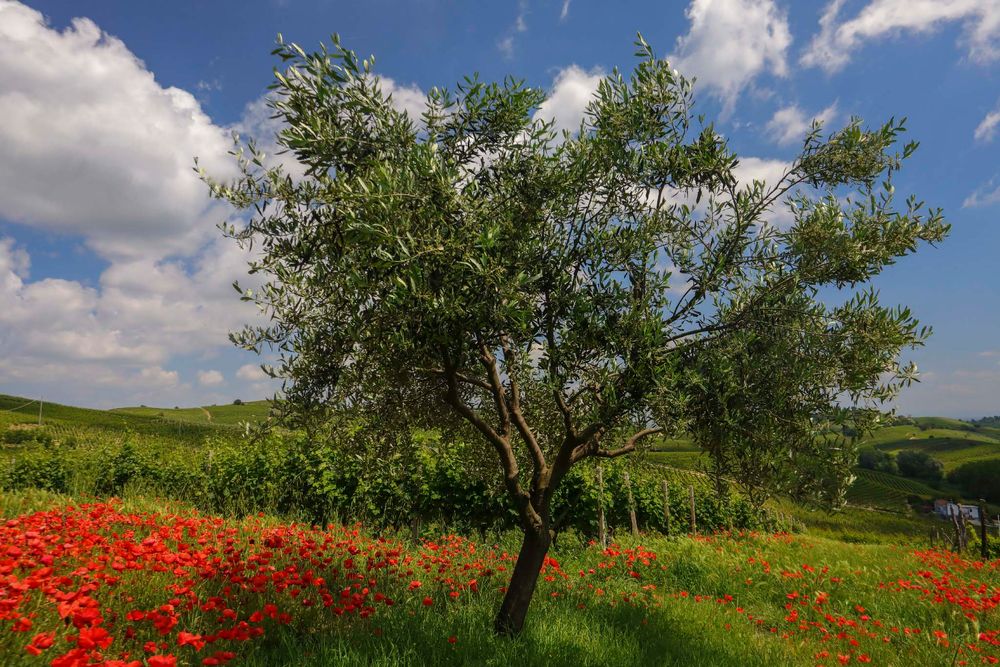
point(237, 402)
point(978, 479)
point(920, 465)
point(349, 476)
point(876, 459)
point(38, 470)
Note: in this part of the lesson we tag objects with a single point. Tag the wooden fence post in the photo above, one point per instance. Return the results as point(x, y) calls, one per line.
point(666, 506)
point(984, 548)
point(694, 526)
point(631, 505)
point(416, 527)
point(602, 529)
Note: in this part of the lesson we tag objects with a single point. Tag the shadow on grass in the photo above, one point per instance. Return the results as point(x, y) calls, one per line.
point(555, 636)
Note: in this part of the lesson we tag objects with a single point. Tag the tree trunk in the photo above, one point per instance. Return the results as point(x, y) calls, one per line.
point(510, 618)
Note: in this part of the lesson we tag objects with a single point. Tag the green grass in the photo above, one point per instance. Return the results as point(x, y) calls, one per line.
point(678, 615)
point(690, 460)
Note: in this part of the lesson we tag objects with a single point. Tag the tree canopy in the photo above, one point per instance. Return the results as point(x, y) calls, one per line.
point(569, 294)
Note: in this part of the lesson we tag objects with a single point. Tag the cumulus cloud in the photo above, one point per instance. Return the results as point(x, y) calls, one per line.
point(91, 144)
point(790, 124)
point(752, 169)
point(987, 194)
point(251, 373)
point(410, 99)
point(987, 128)
point(730, 43)
point(833, 46)
point(141, 315)
point(571, 92)
point(210, 378)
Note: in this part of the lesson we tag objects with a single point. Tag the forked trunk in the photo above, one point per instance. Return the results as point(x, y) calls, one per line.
point(510, 618)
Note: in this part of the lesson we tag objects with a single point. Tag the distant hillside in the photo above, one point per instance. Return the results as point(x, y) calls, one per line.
point(250, 411)
point(952, 441)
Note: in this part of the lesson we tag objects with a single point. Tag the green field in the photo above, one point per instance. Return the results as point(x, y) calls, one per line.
point(250, 411)
point(747, 599)
point(719, 599)
point(161, 431)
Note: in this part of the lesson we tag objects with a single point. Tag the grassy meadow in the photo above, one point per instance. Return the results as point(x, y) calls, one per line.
point(345, 596)
point(158, 577)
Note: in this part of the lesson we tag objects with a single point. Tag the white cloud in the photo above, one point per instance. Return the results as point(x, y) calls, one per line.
point(987, 128)
point(752, 169)
point(91, 144)
point(985, 195)
point(571, 92)
point(832, 47)
point(410, 99)
point(564, 12)
point(143, 313)
point(961, 392)
point(158, 377)
point(210, 378)
point(769, 172)
point(730, 43)
point(506, 43)
point(790, 124)
point(251, 373)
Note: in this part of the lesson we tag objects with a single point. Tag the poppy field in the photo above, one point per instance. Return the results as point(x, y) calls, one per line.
point(142, 583)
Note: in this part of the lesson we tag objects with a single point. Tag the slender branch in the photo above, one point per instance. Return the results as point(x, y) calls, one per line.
point(629, 445)
point(461, 377)
point(502, 446)
point(537, 457)
point(489, 361)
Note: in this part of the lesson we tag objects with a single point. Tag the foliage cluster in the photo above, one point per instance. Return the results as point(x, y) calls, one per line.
point(349, 476)
point(920, 465)
point(876, 459)
point(979, 479)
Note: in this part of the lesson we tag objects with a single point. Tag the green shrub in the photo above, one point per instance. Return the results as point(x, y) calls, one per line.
point(920, 465)
point(978, 479)
point(24, 436)
point(38, 470)
point(876, 459)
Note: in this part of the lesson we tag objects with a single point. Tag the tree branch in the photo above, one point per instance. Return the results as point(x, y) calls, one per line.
point(518, 415)
point(502, 446)
point(629, 445)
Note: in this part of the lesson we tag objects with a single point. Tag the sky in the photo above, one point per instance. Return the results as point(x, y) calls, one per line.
point(115, 284)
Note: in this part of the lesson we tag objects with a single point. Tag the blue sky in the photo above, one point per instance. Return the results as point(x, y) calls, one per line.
point(114, 284)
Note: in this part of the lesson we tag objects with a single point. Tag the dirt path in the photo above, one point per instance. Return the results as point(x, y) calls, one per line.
point(208, 415)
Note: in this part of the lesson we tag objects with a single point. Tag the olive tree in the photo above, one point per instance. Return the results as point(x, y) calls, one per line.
point(551, 289)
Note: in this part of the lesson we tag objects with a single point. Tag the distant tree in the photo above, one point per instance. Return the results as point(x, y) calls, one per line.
point(978, 479)
point(876, 459)
point(237, 402)
point(554, 291)
point(920, 465)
